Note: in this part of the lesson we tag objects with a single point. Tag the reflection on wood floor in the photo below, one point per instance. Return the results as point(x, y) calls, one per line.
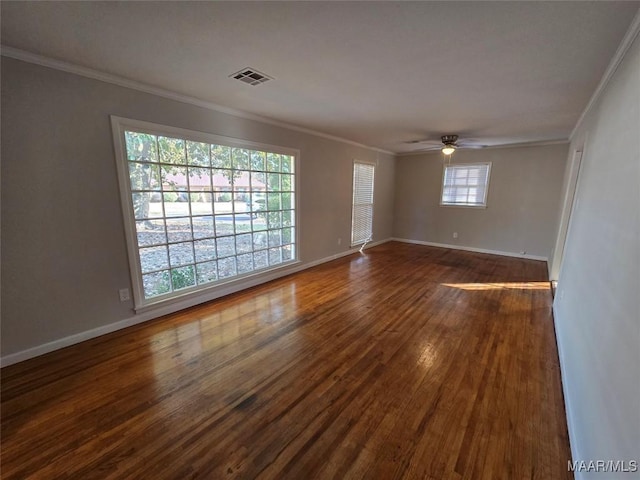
point(405, 362)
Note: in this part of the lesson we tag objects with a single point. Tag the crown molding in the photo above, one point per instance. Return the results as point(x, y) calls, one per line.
point(540, 143)
point(625, 44)
point(41, 60)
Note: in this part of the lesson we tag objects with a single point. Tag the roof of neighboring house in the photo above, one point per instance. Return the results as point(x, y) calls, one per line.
point(219, 181)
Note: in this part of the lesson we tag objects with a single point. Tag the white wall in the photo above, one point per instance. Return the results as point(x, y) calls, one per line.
point(63, 245)
point(522, 203)
point(597, 306)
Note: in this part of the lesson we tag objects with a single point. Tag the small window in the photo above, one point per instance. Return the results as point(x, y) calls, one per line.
point(466, 185)
point(362, 213)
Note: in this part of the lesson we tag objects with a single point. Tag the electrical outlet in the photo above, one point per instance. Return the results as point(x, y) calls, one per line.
point(124, 294)
point(339, 241)
point(455, 234)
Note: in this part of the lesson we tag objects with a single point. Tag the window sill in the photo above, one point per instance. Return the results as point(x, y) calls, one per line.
point(165, 305)
point(462, 205)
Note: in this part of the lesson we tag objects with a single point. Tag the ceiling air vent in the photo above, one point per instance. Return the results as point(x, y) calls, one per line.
point(251, 76)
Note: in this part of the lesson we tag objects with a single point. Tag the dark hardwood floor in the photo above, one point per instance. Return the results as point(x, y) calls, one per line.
point(406, 362)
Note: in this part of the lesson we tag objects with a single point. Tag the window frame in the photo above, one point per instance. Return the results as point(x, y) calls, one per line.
point(465, 205)
point(353, 204)
point(141, 304)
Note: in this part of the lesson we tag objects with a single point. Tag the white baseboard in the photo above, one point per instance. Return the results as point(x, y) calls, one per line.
point(472, 249)
point(564, 380)
point(170, 308)
point(71, 340)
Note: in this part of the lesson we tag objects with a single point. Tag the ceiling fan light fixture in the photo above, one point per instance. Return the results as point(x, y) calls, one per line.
point(448, 149)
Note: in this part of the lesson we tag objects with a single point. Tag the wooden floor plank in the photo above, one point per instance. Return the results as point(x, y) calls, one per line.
point(404, 362)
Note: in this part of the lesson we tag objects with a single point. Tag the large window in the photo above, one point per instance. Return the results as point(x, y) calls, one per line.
point(362, 212)
point(202, 209)
point(466, 184)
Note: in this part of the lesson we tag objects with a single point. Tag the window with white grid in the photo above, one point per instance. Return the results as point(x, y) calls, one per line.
point(362, 213)
point(466, 185)
point(203, 210)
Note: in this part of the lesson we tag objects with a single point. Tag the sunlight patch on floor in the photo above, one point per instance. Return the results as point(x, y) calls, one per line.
point(500, 286)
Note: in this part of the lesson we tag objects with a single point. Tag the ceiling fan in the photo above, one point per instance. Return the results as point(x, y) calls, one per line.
point(447, 144)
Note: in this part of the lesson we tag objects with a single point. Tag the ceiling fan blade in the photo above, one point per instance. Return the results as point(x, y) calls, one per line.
point(427, 143)
point(470, 145)
point(427, 149)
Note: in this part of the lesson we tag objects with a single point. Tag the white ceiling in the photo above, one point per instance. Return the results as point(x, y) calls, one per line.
point(377, 73)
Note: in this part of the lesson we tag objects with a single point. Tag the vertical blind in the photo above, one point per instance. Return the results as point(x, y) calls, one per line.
point(362, 214)
point(466, 185)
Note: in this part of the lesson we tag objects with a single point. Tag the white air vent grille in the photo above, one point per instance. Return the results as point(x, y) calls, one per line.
point(251, 76)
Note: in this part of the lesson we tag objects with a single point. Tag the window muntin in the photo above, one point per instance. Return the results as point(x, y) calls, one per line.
point(204, 212)
point(362, 211)
point(465, 185)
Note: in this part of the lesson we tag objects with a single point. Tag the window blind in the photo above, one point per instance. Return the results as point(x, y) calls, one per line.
point(362, 214)
point(466, 185)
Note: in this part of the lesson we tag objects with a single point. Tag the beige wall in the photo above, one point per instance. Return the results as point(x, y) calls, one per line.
point(63, 245)
point(597, 305)
point(522, 204)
